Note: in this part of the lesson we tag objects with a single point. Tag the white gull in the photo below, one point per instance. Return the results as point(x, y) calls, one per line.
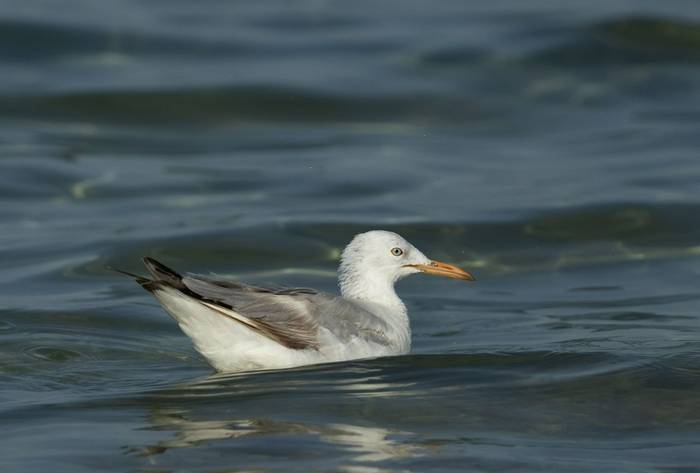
point(240, 327)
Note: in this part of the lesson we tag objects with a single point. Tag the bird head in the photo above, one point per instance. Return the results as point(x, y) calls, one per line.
point(385, 257)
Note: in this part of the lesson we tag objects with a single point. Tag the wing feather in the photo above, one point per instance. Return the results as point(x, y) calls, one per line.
point(299, 337)
point(292, 316)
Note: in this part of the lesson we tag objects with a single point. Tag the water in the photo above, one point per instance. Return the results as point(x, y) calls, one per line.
point(549, 147)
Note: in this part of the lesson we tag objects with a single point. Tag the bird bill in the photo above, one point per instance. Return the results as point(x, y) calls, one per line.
point(438, 268)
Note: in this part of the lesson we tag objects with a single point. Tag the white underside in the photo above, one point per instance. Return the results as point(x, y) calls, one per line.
point(229, 345)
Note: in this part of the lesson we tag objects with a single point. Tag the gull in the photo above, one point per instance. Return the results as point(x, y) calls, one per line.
point(241, 327)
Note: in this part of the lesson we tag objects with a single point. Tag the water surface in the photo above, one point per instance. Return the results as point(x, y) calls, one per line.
point(551, 148)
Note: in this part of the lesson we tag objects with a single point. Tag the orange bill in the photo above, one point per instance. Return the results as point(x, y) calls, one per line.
point(438, 268)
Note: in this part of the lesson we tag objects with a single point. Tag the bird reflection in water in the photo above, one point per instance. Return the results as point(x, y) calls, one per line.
point(180, 411)
point(369, 444)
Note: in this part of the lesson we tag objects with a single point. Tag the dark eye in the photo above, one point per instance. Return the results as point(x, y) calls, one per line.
point(396, 251)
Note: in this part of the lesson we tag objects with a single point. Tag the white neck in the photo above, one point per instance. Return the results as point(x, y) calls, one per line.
point(375, 290)
point(377, 294)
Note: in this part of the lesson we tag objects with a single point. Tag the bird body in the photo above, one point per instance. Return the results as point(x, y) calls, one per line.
point(241, 327)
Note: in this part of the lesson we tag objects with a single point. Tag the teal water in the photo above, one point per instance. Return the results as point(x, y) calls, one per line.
point(549, 147)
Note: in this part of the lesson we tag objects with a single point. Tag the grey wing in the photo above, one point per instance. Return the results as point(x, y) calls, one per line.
point(345, 319)
point(291, 316)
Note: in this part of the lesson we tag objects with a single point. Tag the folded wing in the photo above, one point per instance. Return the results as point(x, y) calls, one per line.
point(294, 317)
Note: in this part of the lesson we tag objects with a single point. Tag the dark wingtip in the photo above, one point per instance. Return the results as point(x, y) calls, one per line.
point(139, 279)
point(162, 273)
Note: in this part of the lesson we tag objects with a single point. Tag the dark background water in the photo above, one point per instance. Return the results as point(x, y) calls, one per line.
point(549, 147)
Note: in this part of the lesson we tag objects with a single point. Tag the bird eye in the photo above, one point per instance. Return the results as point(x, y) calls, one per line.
point(396, 251)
